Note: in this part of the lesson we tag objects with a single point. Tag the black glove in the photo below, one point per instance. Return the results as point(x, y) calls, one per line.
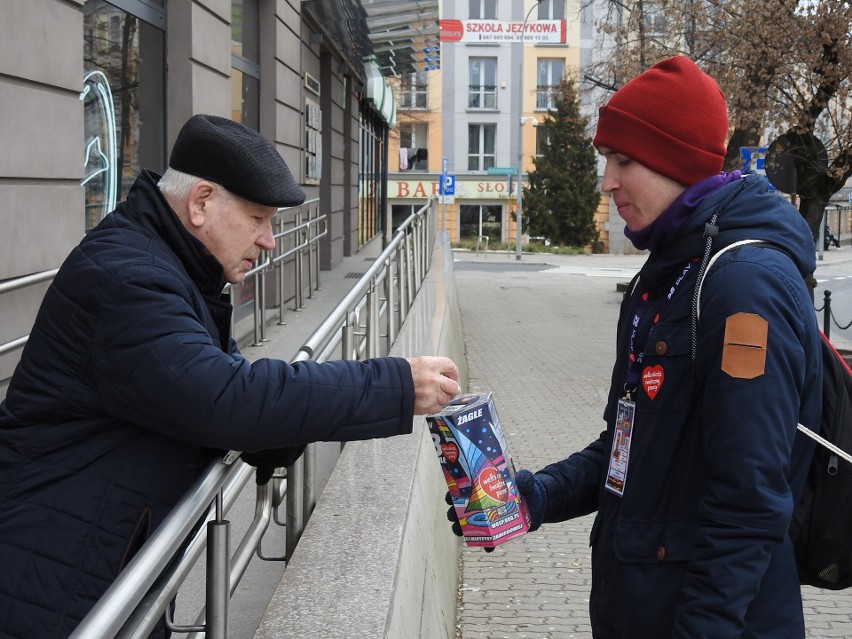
point(534, 494)
point(453, 518)
point(266, 461)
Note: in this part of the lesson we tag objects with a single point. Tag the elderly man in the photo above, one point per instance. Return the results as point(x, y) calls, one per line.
point(130, 382)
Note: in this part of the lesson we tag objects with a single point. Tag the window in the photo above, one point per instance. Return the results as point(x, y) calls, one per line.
point(542, 139)
point(480, 146)
point(412, 89)
point(482, 9)
point(482, 90)
point(413, 147)
point(123, 93)
point(551, 10)
point(245, 62)
point(654, 19)
point(481, 220)
point(549, 76)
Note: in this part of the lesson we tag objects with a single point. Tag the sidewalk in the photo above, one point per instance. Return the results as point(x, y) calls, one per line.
point(540, 334)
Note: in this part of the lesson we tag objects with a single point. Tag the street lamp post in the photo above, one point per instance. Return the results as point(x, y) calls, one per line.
point(521, 122)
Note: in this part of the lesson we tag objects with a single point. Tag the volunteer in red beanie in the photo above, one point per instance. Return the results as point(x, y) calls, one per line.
point(672, 118)
point(696, 476)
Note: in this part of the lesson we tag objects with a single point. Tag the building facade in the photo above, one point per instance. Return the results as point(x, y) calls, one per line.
point(467, 116)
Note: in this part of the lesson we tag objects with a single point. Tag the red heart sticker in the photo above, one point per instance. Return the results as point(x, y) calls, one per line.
point(493, 484)
point(450, 452)
point(652, 380)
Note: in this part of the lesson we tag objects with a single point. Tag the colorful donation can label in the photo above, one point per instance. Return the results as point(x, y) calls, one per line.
point(479, 471)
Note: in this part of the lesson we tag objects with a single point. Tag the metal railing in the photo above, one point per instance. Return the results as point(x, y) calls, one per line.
point(296, 240)
point(364, 324)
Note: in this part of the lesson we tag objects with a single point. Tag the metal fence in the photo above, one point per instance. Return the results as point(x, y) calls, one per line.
point(364, 324)
point(298, 231)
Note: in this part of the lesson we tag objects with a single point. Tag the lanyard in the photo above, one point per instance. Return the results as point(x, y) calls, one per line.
point(635, 353)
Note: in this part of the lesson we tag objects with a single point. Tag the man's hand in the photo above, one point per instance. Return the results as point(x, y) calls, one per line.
point(435, 383)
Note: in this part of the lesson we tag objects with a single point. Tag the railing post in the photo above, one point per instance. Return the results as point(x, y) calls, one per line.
point(391, 301)
point(298, 297)
point(281, 280)
point(218, 574)
point(295, 507)
point(826, 314)
point(372, 321)
point(260, 302)
point(347, 338)
point(310, 242)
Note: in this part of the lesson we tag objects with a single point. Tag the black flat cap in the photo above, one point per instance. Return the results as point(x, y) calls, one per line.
point(241, 160)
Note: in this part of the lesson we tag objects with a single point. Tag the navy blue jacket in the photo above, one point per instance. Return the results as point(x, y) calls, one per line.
point(128, 386)
point(697, 546)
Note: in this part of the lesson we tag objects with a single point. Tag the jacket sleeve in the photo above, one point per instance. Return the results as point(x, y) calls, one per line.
point(158, 366)
point(749, 425)
point(573, 484)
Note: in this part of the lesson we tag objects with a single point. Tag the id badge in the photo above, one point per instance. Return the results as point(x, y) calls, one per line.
point(616, 476)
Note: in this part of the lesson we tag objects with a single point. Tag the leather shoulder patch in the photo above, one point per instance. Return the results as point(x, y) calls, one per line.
point(744, 347)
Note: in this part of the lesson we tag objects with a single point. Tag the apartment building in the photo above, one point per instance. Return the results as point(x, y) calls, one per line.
point(466, 116)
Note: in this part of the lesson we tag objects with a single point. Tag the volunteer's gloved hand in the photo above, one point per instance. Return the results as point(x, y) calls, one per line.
point(534, 494)
point(451, 516)
point(266, 461)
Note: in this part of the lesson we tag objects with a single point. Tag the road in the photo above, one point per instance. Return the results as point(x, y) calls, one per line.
point(837, 278)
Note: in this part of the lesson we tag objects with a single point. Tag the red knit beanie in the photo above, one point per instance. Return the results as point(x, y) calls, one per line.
point(671, 118)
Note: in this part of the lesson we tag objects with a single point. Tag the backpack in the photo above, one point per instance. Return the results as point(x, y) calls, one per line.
point(821, 528)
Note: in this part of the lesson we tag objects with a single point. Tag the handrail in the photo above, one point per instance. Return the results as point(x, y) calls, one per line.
point(128, 610)
point(305, 236)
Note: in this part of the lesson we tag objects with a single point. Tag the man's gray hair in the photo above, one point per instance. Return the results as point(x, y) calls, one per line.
point(178, 184)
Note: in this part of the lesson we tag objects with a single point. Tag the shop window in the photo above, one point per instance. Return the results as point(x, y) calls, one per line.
point(245, 62)
point(480, 146)
point(371, 186)
point(413, 147)
point(123, 92)
point(401, 212)
point(482, 90)
point(481, 220)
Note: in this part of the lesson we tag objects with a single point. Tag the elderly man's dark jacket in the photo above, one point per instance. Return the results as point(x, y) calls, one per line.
point(128, 387)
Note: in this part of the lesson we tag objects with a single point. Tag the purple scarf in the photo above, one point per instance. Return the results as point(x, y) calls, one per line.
point(665, 228)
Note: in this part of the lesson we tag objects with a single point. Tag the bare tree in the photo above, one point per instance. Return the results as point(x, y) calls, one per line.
point(784, 66)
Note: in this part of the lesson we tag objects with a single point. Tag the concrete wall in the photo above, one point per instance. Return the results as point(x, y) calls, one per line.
point(378, 558)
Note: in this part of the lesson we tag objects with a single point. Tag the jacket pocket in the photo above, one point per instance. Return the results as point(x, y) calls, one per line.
point(654, 542)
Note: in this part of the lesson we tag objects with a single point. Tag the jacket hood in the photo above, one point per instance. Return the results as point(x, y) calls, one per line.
point(744, 209)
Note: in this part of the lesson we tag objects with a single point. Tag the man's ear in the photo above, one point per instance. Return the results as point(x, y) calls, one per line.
point(197, 202)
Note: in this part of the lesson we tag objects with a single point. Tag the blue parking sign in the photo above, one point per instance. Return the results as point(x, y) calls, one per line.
point(449, 185)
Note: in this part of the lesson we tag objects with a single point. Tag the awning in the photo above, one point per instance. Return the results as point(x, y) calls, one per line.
point(379, 93)
point(400, 36)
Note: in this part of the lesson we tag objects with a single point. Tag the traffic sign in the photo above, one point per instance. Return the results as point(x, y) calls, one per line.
point(449, 185)
point(502, 170)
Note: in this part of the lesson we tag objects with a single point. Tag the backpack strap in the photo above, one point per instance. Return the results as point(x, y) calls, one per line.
point(701, 275)
point(706, 263)
point(716, 256)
